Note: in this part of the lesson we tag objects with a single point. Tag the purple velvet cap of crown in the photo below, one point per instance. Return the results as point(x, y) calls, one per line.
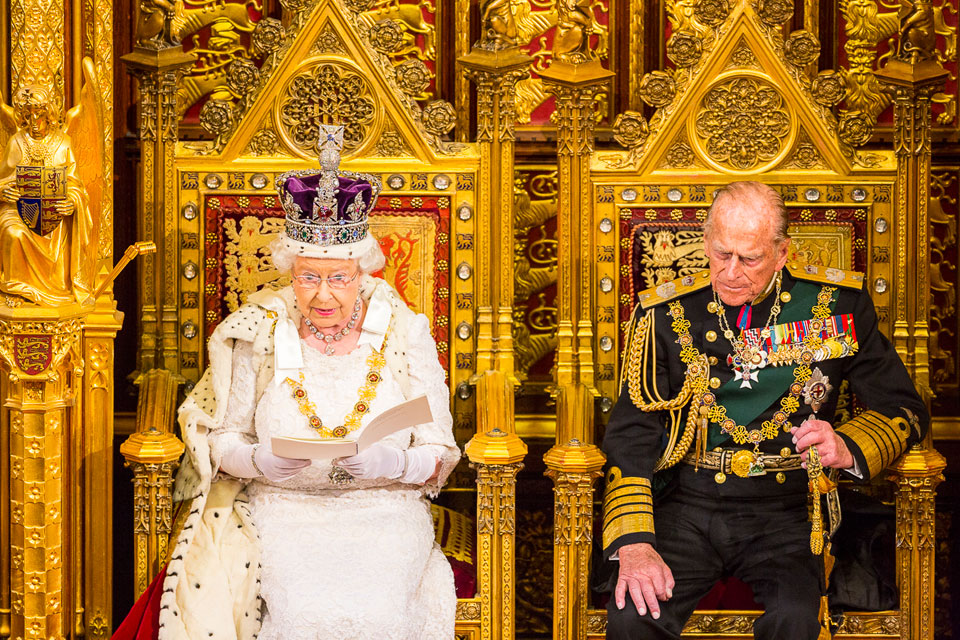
point(303, 190)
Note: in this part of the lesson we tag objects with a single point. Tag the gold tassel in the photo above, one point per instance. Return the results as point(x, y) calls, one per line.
point(814, 475)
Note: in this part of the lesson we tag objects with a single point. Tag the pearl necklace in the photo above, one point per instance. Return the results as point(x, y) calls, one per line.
point(330, 338)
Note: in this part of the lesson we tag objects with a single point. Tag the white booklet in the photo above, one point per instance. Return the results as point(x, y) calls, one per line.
point(404, 415)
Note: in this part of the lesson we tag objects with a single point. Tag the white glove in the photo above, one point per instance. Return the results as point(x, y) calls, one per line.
point(412, 466)
point(253, 461)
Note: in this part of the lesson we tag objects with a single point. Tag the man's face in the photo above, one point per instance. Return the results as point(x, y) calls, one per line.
point(743, 251)
point(34, 119)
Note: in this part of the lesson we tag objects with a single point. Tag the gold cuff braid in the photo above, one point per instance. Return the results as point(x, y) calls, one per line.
point(880, 439)
point(627, 506)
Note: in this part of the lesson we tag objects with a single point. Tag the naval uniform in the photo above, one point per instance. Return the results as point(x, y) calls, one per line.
point(722, 493)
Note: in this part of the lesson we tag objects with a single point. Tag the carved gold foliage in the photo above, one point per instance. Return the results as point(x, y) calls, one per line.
point(327, 91)
point(743, 56)
point(36, 46)
point(708, 623)
point(712, 12)
point(855, 128)
point(742, 123)
point(680, 155)
point(413, 78)
point(943, 278)
point(267, 36)
point(216, 117)
point(439, 118)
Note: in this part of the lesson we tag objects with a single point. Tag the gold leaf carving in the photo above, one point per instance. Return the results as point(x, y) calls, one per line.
point(742, 123)
point(801, 48)
point(332, 91)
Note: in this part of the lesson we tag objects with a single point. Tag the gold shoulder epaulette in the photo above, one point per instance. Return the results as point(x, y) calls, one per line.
point(826, 275)
point(674, 289)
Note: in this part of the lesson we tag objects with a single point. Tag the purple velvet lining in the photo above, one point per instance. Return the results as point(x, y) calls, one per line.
point(303, 189)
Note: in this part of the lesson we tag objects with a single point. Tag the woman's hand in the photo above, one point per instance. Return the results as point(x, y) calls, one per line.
point(376, 461)
point(277, 468)
point(253, 461)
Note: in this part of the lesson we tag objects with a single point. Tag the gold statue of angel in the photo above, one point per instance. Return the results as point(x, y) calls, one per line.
point(49, 173)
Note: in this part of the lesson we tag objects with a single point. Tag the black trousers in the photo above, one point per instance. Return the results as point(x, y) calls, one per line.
point(703, 536)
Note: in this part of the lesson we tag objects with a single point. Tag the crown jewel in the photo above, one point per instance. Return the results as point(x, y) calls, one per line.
point(330, 207)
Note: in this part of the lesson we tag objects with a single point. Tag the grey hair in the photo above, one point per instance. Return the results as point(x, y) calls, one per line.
point(757, 193)
point(367, 253)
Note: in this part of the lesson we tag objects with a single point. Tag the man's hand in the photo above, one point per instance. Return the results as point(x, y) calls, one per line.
point(831, 447)
point(646, 576)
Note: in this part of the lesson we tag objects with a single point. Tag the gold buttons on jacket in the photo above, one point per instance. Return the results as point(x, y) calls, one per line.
point(785, 452)
point(712, 360)
point(712, 307)
point(714, 382)
point(781, 477)
point(720, 477)
point(785, 297)
point(711, 336)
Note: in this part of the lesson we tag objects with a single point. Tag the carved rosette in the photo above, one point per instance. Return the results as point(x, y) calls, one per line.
point(264, 143)
point(855, 128)
point(742, 123)
point(386, 36)
point(678, 156)
point(775, 12)
point(216, 117)
point(439, 117)
point(684, 49)
point(357, 6)
point(712, 12)
point(390, 144)
point(801, 48)
point(242, 76)
point(828, 88)
point(328, 42)
point(658, 88)
point(805, 156)
point(631, 129)
point(743, 57)
point(328, 90)
point(267, 36)
point(413, 77)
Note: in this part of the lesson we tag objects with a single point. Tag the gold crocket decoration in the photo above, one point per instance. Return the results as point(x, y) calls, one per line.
point(48, 173)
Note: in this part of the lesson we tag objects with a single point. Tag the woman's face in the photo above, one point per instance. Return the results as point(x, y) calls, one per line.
point(326, 289)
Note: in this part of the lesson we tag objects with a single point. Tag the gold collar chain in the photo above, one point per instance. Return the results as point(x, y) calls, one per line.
point(746, 358)
point(351, 423)
point(716, 412)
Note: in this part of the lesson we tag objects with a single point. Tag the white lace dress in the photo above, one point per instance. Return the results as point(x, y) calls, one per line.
point(354, 562)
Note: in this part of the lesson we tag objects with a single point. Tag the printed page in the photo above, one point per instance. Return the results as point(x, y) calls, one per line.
point(404, 415)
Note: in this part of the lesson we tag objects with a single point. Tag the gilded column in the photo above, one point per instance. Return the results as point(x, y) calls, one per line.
point(41, 361)
point(912, 77)
point(497, 453)
point(573, 464)
point(96, 449)
point(916, 474)
point(495, 65)
point(152, 453)
point(574, 76)
point(36, 46)
point(158, 62)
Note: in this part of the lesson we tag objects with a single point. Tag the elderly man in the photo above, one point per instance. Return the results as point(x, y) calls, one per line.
point(726, 423)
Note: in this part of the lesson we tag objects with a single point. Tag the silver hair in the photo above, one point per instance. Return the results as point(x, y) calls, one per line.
point(366, 253)
point(757, 193)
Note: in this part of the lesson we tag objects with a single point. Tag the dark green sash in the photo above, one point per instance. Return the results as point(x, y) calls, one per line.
point(743, 404)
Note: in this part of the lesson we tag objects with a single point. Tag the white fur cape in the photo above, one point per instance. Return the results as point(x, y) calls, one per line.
point(211, 590)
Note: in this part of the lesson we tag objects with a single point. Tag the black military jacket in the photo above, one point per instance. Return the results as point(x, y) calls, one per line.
point(893, 416)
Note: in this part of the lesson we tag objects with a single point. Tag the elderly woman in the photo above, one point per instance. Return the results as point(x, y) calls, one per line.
point(281, 548)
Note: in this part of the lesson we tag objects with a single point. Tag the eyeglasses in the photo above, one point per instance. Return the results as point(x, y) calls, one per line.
point(336, 281)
